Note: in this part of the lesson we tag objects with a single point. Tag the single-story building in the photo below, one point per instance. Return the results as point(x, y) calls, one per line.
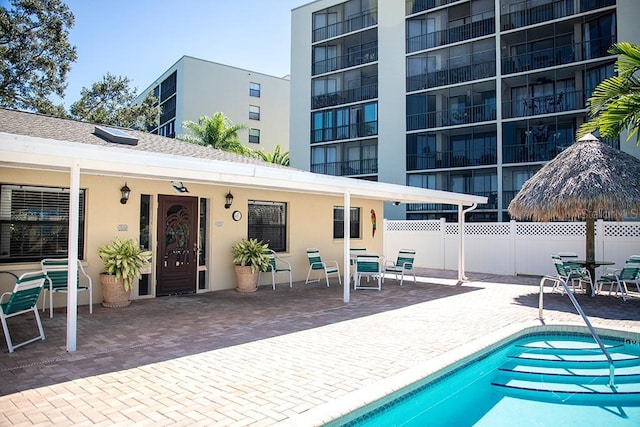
point(49, 165)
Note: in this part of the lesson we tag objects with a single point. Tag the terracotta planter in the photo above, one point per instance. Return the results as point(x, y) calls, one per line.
point(246, 280)
point(113, 292)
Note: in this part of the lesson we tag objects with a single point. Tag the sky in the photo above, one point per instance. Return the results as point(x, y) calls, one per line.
point(141, 39)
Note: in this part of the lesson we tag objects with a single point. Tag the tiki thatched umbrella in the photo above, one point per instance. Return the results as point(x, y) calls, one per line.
point(587, 181)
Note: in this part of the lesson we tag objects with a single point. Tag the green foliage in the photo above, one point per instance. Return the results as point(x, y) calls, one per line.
point(251, 252)
point(217, 132)
point(35, 54)
point(124, 258)
point(276, 157)
point(112, 102)
point(615, 103)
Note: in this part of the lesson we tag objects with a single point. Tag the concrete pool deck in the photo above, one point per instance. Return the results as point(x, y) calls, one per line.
point(287, 357)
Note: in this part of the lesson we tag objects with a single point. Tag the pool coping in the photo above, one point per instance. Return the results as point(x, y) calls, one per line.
point(351, 405)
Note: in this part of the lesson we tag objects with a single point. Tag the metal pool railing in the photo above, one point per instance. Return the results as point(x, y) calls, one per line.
point(584, 317)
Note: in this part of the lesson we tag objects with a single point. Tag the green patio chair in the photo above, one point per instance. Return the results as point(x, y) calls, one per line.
point(22, 300)
point(276, 265)
point(570, 272)
point(630, 273)
point(403, 264)
point(370, 267)
point(316, 264)
point(56, 270)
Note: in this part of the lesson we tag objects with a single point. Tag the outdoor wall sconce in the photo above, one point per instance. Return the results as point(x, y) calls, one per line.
point(125, 192)
point(229, 200)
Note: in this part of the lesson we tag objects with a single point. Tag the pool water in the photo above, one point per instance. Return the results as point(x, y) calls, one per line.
point(538, 380)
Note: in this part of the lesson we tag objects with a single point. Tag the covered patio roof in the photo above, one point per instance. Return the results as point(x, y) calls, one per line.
point(37, 142)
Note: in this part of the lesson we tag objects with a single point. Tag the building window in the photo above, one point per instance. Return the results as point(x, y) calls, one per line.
point(34, 223)
point(268, 223)
point(254, 136)
point(202, 244)
point(254, 112)
point(338, 222)
point(254, 89)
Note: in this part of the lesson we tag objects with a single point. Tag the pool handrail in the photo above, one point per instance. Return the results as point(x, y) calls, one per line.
point(584, 317)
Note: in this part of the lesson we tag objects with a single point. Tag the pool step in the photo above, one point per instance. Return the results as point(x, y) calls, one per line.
point(580, 393)
point(570, 372)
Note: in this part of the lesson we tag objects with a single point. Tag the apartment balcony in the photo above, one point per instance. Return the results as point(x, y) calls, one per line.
point(533, 151)
point(529, 15)
point(365, 19)
point(452, 159)
point(544, 104)
point(452, 76)
point(347, 168)
point(415, 6)
point(474, 26)
point(558, 55)
point(347, 96)
point(336, 133)
point(360, 55)
point(454, 117)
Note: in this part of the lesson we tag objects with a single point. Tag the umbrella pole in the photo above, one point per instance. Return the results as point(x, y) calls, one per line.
point(591, 248)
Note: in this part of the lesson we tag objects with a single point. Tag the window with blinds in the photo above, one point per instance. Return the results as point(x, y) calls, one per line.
point(338, 222)
point(268, 222)
point(34, 223)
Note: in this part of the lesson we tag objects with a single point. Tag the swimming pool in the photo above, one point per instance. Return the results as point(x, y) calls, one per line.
point(537, 379)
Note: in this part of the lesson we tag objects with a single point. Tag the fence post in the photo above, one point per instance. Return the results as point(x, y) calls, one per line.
point(443, 236)
point(512, 237)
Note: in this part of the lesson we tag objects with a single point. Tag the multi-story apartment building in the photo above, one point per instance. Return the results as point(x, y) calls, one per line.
point(192, 88)
point(471, 96)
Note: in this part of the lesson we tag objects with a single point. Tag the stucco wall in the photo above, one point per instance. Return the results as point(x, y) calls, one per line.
point(310, 224)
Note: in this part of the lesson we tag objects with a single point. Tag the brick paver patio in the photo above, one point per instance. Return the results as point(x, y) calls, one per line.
point(290, 356)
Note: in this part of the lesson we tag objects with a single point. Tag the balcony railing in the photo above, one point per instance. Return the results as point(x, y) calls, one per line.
point(458, 116)
point(452, 159)
point(351, 59)
point(346, 168)
point(558, 55)
point(355, 130)
point(413, 207)
point(533, 152)
point(347, 96)
point(415, 6)
point(363, 20)
point(530, 15)
point(472, 28)
point(452, 75)
point(545, 104)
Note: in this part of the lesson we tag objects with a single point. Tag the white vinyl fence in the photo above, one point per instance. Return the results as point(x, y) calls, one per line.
point(508, 248)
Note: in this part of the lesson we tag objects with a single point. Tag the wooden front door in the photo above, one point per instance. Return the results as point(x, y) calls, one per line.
point(177, 245)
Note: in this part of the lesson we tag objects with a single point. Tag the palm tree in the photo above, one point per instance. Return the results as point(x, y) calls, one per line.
point(276, 157)
point(217, 132)
point(615, 103)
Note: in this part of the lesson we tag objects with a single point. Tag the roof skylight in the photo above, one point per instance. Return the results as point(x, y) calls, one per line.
point(115, 135)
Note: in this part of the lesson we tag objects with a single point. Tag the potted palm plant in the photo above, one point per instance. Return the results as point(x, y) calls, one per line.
point(250, 256)
point(123, 260)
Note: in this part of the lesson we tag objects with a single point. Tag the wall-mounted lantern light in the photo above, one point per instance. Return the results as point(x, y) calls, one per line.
point(125, 192)
point(229, 200)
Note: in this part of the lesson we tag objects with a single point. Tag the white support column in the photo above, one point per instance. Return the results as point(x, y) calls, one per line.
point(461, 213)
point(72, 275)
point(347, 243)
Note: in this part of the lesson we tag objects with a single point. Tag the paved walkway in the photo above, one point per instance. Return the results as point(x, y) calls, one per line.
point(287, 357)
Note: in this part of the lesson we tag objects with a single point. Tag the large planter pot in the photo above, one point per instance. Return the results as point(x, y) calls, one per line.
point(246, 279)
point(113, 292)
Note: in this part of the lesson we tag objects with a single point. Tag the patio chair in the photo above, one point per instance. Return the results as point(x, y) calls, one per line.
point(316, 264)
point(568, 272)
point(276, 265)
point(369, 266)
point(402, 265)
point(630, 273)
point(56, 272)
point(22, 300)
